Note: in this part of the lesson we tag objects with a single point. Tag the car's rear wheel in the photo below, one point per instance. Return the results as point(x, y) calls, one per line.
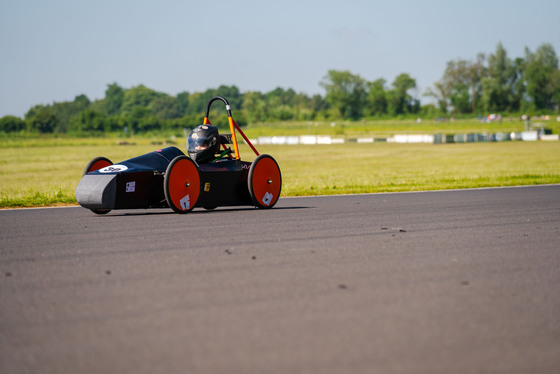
point(96, 164)
point(265, 182)
point(181, 184)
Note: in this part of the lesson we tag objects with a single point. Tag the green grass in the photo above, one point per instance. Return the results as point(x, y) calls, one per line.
point(362, 168)
point(47, 172)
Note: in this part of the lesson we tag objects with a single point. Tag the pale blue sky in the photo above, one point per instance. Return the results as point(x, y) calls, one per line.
point(52, 51)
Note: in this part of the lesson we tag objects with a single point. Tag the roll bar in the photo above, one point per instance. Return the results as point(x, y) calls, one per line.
point(232, 125)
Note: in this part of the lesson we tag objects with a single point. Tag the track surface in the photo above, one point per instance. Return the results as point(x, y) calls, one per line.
point(434, 282)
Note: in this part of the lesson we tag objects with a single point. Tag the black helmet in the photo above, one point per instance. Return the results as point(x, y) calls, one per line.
point(203, 143)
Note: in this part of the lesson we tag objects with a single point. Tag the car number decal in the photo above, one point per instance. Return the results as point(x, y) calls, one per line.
point(113, 168)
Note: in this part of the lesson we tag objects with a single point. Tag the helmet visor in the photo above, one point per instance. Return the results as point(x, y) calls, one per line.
point(197, 143)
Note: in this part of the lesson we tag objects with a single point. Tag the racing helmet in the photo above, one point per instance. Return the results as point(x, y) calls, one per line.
point(203, 143)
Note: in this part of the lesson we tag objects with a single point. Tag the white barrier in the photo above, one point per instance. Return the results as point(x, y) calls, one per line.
point(308, 139)
point(412, 138)
point(529, 136)
point(292, 140)
point(364, 140)
point(278, 140)
point(324, 139)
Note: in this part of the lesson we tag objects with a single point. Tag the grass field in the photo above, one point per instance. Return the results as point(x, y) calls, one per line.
point(46, 172)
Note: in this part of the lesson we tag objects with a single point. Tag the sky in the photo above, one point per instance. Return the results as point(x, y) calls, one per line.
point(52, 51)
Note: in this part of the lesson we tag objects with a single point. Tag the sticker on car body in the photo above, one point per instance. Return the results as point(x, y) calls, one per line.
point(131, 186)
point(267, 199)
point(185, 203)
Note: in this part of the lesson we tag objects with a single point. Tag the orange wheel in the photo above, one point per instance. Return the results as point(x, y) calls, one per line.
point(265, 182)
point(96, 164)
point(181, 184)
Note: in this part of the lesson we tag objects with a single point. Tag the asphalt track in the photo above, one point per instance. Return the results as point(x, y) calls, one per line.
point(433, 282)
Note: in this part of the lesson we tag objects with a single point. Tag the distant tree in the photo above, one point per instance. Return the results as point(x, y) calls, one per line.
point(555, 82)
point(199, 100)
point(233, 96)
point(44, 120)
point(302, 107)
point(518, 89)
point(461, 85)
point(460, 99)
point(281, 104)
point(286, 104)
point(476, 71)
point(498, 85)
point(165, 107)
point(318, 104)
point(150, 123)
point(114, 98)
point(281, 96)
point(283, 113)
point(116, 123)
point(429, 110)
point(141, 120)
point(440, 93)
point(377, 98)
point(136, 116)
point(541, 76)
point(139, 96)
point(66, 112)
point(254, 106)
point(91, 121)
point(11, 124)
point(34, 110)
point(455, 83)
point(182, 102)
point(81, 102)
point(399, 100)
point(346, 92)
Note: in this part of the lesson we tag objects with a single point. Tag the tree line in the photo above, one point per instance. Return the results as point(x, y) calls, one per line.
point(485, 84)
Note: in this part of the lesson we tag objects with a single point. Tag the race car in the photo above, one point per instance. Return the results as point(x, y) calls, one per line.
point(212, 175)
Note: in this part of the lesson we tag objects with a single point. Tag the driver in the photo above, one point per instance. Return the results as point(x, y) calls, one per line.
point(203, 143)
